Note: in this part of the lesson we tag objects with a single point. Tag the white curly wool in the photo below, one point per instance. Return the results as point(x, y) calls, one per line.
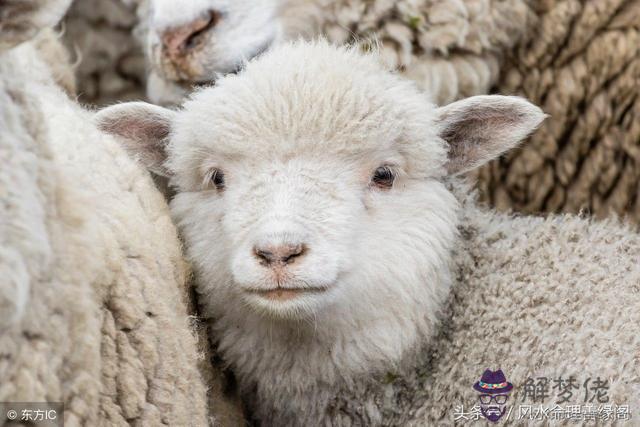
point(92, 281)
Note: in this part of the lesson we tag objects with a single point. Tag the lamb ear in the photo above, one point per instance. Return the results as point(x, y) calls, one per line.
point(481, 128)
point(142, 129)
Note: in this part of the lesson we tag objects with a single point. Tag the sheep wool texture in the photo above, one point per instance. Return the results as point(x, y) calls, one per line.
point(452, 48)
point(581, 64)
point(532, 297)
point(537, 297)
point(92, 281)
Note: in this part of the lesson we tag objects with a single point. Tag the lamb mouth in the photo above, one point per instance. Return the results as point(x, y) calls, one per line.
point(285, 294)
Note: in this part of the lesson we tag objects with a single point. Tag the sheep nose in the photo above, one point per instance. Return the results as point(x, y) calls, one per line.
point(270, 255)
point(179, 41)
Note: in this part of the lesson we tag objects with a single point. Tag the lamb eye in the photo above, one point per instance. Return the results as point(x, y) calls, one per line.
point(217, 179)
point(383, 177)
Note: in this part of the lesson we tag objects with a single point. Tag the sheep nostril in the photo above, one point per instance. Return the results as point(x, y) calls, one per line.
point(265, 257)
point(280, 254)
point(178, 41)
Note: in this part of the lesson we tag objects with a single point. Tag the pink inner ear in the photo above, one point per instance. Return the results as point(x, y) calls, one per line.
point(137, 127)
point(479, 129)
point(476, 138)
point(143, 135)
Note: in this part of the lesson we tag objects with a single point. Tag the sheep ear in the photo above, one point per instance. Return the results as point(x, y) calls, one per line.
point(481, 128)
point(142, 129)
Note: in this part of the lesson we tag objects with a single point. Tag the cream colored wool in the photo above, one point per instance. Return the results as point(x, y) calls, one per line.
point(93, 292)
point(93, 281)
point(452, 48)
point(581, 64)
point(532, 298)
point(25, 20)
point(56, 56)
point(93, 301)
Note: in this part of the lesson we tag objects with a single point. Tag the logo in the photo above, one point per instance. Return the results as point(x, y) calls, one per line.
point(494, 392)
point(565, 399)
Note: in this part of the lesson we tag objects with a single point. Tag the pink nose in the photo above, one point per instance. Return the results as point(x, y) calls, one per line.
point(272, 255)
point(178, 41)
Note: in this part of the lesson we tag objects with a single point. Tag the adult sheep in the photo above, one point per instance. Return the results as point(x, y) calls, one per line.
point(93, 286)
point(318, 200)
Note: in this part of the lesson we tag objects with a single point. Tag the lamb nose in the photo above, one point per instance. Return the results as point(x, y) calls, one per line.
point(279, 254)
point(178, 41)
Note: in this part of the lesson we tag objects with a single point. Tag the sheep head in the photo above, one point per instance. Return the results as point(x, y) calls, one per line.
point(312, 186)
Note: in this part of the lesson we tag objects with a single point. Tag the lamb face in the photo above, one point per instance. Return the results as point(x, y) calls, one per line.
point(292, 181)
point(193, 42)
point(311, 186)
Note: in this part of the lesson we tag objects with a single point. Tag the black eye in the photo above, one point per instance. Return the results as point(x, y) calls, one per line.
point(383, 177)
point(217, 179)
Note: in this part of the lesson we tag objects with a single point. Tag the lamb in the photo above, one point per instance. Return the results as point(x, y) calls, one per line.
point(93, 288)
point(318, 198)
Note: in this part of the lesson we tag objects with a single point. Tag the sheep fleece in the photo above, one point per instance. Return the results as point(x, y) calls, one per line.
point(581, 64)
point(452, 48)
point(536, 297)
point(92, 282)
